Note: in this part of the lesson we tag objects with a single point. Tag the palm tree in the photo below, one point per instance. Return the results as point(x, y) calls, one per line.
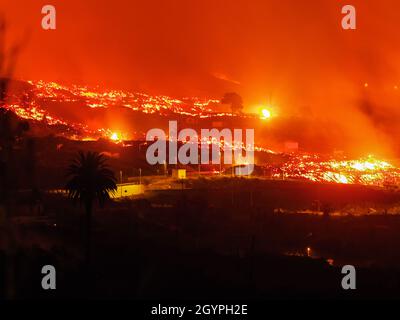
point(90, 179)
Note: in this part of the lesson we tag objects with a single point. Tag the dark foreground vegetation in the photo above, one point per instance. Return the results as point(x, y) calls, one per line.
point(214, 242)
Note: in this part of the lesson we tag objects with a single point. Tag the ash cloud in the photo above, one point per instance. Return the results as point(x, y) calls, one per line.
point(291, 54)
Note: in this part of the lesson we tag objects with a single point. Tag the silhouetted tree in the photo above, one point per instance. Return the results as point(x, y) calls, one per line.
point(234, 100)
point(90, 179)
point(11, 132)
point(8, 60)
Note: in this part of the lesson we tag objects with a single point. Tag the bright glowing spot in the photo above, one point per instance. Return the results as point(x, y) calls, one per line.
point(366, 85)
point(115, 137)
point(265, 114)
point(342, 179)
point(330, 261)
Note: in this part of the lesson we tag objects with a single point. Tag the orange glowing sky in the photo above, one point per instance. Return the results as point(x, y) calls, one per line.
point(292, 54)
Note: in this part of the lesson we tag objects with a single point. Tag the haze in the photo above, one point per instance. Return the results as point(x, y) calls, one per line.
point(291, 55)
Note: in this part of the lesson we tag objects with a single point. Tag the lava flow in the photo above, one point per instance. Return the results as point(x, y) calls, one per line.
point(312, 167)
point(366, 171)
point(41, 93)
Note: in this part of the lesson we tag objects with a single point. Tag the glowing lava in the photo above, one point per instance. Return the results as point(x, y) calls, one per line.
point(265, 114)
point(115, 137)
point(367, 171)
point(312, 167)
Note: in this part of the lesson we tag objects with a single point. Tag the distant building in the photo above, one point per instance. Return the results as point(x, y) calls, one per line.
point(128, 190)
point(179, 173)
